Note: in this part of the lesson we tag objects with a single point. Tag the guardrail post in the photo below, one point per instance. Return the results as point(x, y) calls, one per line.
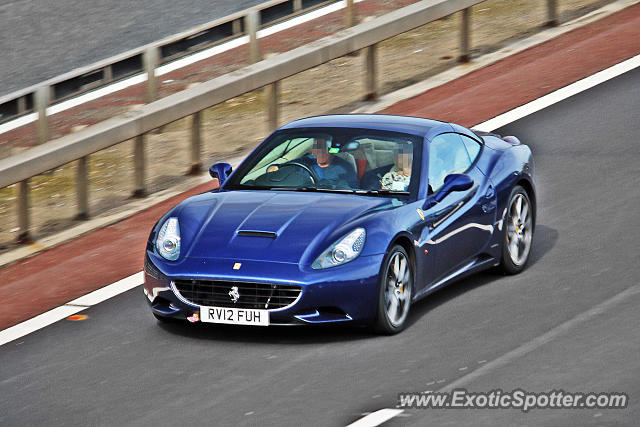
point(107, 74)
point(139, 167)
point(196, 143)
point(465, 36)
point(297, 5)
point(23, 212)
point(273, 109)
point(150, 60)
point(236, 26)
point(350, 14)
point(22, 104)
point(41, 101)
point(251, 25)
point(82, 187)
point(552, 13)
point(371, 73)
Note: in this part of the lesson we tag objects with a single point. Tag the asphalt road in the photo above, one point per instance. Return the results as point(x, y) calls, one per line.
point(119, 366)
point(41, 39)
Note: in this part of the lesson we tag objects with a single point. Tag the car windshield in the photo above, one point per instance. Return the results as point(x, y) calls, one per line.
point(359, 161)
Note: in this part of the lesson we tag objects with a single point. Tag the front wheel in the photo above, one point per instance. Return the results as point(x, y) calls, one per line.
point(517, 232)
point(394, 291)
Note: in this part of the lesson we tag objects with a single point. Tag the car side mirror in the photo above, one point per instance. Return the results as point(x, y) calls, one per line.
point(220, 171)
point(453, 182)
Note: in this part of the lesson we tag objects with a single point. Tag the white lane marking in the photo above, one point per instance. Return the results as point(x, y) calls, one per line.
point(543, 339)
point(199, 56)
point(19, 122)
point(376, 418)
point(72, 307)
point(110, 291)
point(98, 93)
point(38, 322)
point(172, 66)
point(265, 32)
point(559, 95)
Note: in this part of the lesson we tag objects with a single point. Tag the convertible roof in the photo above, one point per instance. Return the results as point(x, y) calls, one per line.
point(413, 125)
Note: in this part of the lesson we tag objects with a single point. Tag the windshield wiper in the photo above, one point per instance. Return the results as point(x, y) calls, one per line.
point(318, 189)
point(293, 188)
point(380, 192)
point(383, 192)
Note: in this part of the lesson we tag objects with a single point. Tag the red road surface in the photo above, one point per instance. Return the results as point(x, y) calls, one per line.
point(68, 271)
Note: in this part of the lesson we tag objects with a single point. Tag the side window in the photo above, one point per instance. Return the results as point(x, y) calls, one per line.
point(447, 155)
point(472, 146)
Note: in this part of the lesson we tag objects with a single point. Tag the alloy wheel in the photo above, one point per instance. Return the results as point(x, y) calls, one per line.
point(519, 229)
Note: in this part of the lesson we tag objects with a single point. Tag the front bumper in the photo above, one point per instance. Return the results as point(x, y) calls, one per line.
point(346, 293)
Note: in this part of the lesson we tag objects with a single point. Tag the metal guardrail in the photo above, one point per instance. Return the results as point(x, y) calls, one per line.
point(191, 102)
point(118, 67)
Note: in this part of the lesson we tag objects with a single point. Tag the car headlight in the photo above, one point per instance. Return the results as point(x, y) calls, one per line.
point(344, 250)
point(168, 241)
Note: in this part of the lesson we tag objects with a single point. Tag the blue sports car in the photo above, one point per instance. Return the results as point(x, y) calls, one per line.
point(344, 218)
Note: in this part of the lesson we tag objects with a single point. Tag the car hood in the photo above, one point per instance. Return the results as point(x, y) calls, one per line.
point(268, 225)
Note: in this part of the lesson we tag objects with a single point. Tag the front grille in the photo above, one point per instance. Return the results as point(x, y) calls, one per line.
point(218, 293)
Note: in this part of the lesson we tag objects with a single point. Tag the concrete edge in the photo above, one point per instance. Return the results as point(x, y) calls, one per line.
point(122, 212)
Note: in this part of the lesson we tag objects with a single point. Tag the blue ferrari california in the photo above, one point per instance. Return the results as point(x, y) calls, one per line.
point(344, 218)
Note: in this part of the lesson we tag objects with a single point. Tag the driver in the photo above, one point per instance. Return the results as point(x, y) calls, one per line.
point(329, 168)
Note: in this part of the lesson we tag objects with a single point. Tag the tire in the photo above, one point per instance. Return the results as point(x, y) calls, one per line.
point(394, 293)
point(517, 232)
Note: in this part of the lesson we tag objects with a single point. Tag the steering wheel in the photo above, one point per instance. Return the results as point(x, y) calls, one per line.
point(307, 169)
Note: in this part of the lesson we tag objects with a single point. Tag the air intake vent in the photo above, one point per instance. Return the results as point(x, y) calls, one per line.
point(218, 293)
point(252, 233)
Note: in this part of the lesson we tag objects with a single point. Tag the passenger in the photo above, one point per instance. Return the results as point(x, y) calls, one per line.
point(397, 178)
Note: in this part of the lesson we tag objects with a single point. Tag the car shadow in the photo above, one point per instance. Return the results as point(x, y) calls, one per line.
point(545, 238)
point(290, 335)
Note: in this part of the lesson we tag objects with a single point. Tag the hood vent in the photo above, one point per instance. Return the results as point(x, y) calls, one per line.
point(254, 233)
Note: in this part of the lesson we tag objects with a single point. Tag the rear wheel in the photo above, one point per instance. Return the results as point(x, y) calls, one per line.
point(517, 232)
point(394, 291)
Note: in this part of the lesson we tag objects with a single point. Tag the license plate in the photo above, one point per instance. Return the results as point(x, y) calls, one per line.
point(234, 316)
